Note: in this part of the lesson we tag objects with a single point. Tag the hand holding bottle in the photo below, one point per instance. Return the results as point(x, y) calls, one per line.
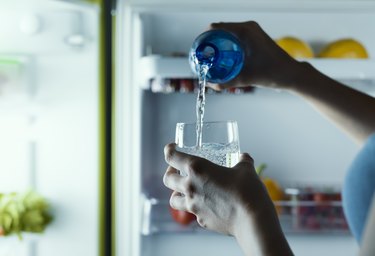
point(265, 63)
point(220, 52)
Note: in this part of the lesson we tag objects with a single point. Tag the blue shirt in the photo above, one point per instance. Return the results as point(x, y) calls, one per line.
point(359, 187)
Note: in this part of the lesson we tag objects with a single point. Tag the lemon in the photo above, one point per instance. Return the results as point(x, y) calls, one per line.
point(275, 192)
point(273, 189)
point(344, 48)
point(295, 47)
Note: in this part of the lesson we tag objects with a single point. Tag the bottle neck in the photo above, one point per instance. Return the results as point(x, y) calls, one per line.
point(206, 54)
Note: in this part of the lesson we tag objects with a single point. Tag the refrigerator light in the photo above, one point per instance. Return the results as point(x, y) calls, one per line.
point(76, 40)
point(30, 24)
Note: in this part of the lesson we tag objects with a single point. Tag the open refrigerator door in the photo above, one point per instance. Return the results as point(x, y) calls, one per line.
point(49, 121)
point(156, 89)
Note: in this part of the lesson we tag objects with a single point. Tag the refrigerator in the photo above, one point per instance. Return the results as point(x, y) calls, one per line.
point(301, 148)
point(91, 141)
point(49, 121)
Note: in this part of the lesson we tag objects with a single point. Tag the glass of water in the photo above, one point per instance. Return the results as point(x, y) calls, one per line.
point(219, 141)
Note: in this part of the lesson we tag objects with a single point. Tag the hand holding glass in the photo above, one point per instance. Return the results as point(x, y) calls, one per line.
point(220, 141)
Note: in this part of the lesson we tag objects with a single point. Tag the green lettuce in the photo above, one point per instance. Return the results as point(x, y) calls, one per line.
point(23, 212)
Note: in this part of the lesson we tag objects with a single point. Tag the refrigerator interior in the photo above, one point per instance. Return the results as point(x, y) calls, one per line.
point(49, 120)
point(300, 147)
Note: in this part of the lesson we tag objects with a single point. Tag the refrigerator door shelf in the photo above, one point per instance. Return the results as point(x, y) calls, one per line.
point(296, 217)
point(159, 67)
point(188, 85)
point(360, 72)
point(157, 219)
point(310, 217)
point(17, 83)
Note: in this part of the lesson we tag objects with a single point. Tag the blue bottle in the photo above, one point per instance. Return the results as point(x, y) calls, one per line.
point(221, 51)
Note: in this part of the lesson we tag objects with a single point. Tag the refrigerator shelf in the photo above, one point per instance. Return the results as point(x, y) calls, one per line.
point(358, 72)
point(17, 82)
point(157, 219)
point(296, 217)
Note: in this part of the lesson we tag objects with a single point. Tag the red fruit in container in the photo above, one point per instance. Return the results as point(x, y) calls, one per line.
point(320, 197)
point(187, 85)
point(182, 217)
point(336, 196)
point(312, 223)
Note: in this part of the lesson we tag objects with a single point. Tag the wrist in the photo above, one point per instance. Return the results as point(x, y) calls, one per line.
point(258, 231)
point(304, 78)
point(271, 238)
point(298, 76)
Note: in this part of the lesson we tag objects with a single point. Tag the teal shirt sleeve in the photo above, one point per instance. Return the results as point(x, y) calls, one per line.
point(359, 187)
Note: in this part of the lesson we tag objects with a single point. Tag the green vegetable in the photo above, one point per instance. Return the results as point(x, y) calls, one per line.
point(260, 169)
point(23, 212)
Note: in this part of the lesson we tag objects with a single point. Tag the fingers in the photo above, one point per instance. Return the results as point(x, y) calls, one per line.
point(178, 160)
point(175, 158)
point(235, 26)
point(225, 25)
point(178, 201)
point(219, 87)
point(216, 87)
point(173, 180)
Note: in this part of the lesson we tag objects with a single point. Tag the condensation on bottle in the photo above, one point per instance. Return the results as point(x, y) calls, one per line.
point(221, 51)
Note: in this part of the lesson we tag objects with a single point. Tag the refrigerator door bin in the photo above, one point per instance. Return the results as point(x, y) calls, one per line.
point(17, 82)
point(157, 219)
point(173, 74)
point(296, 217)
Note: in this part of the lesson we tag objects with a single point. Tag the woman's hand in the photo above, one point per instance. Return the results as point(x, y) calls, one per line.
point(213, 193)
point(231, 201)
point(266, 64)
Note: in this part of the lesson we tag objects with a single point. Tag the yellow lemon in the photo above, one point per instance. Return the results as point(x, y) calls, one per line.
point(295, 47)
point(344, 48)
point(273, 188)
point(274, 191)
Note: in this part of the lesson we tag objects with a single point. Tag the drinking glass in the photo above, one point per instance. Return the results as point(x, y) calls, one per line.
point(219, 141)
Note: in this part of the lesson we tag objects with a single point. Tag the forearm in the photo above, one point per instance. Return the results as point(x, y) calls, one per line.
point(260, 233)
point(351, 110)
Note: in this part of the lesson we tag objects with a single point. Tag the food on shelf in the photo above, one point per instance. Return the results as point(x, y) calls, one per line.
point(315, 209)
point(23, 212)
point(295, 47)
point(306, 209)
point(187, 85)
point(273, 188)
point(182, 217)
point(344, 48)
point(190, 85)
point(160, 85)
